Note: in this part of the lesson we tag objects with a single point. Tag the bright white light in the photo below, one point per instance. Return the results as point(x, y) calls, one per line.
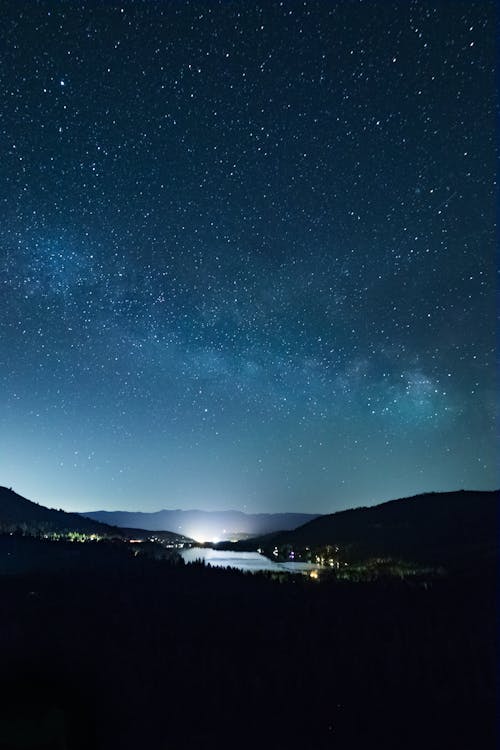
point(209, 533)
point(202, 536)
point(197, 535)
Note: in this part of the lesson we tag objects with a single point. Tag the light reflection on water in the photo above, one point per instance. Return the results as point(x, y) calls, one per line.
point(248, 561)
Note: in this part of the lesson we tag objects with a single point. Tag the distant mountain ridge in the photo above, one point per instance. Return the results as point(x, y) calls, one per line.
point(205, 525)
point(434, 528)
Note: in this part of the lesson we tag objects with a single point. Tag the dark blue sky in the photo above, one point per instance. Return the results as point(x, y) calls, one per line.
point(246, 252)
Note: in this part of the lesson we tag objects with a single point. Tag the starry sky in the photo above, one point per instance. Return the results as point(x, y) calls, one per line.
point(247, 252)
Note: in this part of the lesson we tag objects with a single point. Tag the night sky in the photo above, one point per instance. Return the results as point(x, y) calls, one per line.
point(246, 252)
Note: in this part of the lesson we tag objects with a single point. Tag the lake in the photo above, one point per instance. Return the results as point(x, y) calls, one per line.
point(248, 561)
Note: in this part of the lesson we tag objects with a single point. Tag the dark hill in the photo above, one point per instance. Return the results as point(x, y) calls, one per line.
point(436, 528)
point(18, 513)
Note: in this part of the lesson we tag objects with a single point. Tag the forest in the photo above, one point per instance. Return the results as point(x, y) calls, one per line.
point(125, 652)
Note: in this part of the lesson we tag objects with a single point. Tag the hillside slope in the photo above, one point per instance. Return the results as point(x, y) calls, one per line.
point(432, 528)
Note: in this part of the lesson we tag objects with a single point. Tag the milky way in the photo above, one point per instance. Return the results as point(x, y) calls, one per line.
point(246, 252)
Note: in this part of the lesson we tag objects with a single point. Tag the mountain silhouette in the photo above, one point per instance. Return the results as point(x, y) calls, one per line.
point(434, 528)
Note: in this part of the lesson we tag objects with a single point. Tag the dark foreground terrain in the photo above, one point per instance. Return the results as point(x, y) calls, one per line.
point(151, 654)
